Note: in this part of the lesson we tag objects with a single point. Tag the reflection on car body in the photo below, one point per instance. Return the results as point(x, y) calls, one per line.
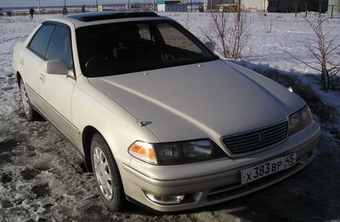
point(159, 118)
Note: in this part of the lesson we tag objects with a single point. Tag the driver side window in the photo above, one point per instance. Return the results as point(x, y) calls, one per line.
point(60, 45)
point(41, 39)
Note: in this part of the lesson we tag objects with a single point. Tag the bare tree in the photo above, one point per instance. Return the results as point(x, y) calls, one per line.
point(230, 35)
point(325, 50)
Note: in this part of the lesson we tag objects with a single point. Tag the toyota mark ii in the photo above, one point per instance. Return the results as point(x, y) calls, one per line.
point(160, 119)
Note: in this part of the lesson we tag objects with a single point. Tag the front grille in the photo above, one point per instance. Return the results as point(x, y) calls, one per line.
point(257, 139)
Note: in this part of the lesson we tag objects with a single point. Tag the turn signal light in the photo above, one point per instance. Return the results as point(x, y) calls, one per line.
point(143, 151)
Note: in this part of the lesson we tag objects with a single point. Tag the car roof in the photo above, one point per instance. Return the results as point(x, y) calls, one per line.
point(94, 18)
point(98, 16)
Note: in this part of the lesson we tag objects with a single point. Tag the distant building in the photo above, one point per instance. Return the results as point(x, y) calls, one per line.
point(253, 5)
point(172, 6)
point(214, 4)
point(298, 5)
point(277, 5)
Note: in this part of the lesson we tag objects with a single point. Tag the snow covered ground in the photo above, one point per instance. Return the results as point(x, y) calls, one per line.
point(42, 177)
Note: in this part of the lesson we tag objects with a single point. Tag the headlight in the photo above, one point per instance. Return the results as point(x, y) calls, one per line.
point(300, 120)
point(175, 153)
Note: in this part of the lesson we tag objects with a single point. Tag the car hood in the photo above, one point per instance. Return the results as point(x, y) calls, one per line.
point(207, 100)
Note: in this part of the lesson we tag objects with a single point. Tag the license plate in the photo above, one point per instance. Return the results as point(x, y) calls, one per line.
point(264, 169)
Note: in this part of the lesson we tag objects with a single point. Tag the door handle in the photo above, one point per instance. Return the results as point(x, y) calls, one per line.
point(42, 78)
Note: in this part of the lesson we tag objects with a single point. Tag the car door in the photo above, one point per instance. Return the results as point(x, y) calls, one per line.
point(56, 89)
point(32, 60)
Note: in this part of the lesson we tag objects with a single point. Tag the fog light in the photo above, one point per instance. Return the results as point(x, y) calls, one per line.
point(164, 199)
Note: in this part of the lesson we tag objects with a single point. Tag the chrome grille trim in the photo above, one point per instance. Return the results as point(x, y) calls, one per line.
point(252, 141)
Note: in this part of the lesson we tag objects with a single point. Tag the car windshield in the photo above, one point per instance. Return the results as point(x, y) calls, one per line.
point(119, 48)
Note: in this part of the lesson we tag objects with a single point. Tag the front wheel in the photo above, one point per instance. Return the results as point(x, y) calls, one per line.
point(107, 174)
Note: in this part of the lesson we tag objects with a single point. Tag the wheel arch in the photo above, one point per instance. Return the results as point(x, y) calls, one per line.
point(88, 134)
point(18, 77)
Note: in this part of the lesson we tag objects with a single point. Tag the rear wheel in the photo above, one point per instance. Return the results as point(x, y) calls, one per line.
point(107, 174)
point(30, 113)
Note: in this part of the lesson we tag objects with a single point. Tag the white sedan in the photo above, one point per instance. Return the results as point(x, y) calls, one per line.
point(160, 119)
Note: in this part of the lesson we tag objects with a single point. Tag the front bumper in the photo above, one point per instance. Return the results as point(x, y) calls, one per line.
point(218, 186)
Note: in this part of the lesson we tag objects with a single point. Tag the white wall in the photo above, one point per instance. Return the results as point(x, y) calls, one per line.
point(260, 5)
point(336, 4)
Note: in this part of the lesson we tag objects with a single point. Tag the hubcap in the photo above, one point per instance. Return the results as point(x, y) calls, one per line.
point(103, 173)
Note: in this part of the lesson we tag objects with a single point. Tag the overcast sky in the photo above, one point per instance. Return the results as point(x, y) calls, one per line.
point(43, 3)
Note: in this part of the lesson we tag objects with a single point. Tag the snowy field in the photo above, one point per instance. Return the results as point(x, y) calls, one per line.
point(42, 176)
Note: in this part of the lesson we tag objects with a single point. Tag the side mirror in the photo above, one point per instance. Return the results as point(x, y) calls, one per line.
point(210, 45)
point(56, 66)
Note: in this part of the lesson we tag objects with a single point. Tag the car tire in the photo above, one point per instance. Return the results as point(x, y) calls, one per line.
point(106, 174)
point(30, 113)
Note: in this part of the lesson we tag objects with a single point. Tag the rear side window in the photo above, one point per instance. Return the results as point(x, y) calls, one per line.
point(41, 39)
